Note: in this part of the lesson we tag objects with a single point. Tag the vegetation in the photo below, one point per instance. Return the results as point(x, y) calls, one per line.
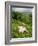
point(17, 20)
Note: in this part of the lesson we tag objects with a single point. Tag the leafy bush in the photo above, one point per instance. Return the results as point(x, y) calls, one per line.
point(17, 20)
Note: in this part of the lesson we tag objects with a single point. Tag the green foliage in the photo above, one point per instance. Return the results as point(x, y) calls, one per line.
point(17, 20)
